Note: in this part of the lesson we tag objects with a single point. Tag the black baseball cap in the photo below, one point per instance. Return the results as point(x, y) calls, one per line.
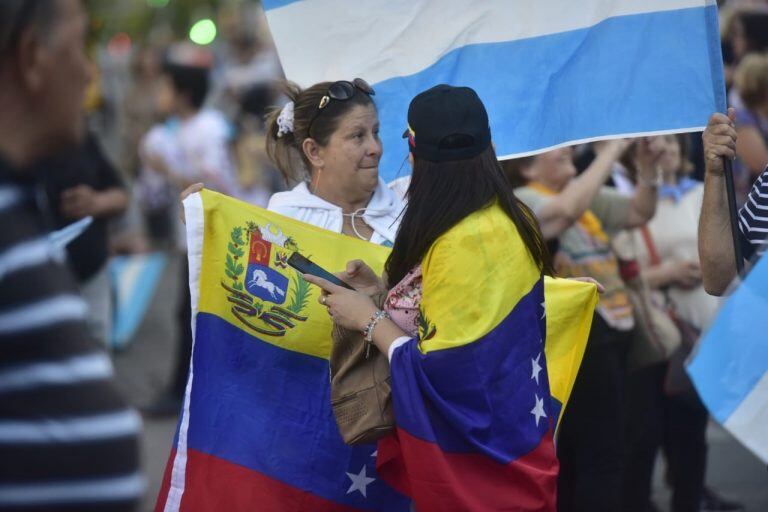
point(447, 123)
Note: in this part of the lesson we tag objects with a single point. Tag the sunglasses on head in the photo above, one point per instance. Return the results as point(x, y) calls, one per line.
point(342, 90)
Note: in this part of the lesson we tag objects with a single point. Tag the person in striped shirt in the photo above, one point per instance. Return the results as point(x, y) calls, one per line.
point(718, 263)
point(68, 441)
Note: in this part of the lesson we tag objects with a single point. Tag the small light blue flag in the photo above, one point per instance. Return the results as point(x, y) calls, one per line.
point(730, 367)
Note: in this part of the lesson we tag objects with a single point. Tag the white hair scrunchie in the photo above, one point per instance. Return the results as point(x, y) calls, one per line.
point(285, 120)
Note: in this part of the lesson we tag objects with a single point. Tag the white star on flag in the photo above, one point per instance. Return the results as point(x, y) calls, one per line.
point(360, 482)
point(536, 369)
point(543, 310)
point(374, 454)
point(537, 411)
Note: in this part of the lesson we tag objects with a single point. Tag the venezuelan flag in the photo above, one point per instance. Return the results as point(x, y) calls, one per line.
point(257, 430)
point(472, 398)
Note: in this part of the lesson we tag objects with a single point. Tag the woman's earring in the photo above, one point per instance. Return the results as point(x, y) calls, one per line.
point(317, 181)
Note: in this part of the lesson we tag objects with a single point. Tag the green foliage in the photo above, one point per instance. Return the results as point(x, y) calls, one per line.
point(237, 236)
point(301, 294)
point(291, 244)
point(427, 329)
point(235, 251)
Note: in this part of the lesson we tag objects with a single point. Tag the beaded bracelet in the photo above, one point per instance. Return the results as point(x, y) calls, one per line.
point(368, 331)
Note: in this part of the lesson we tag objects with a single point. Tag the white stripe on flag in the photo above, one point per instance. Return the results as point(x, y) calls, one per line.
point(71, 430)
point(42, 314)
point(406, 36)
point(129, 278)
point(121, 488)
point(68, 371)
point(749, 422)
point(195, 215)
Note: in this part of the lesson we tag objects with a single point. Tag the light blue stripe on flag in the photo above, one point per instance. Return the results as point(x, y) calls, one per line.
point(625, 75)
point(274, 4)
point(730, 367)
point(135, 279)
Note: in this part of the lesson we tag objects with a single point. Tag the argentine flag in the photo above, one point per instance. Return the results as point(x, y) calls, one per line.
point(550, 72)
point(730, 367)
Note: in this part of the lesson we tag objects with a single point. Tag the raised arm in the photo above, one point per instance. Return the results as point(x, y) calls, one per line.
point(718, 263)
point(556, 216)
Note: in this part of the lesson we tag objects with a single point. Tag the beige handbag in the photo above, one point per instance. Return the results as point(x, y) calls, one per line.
point(361, 393)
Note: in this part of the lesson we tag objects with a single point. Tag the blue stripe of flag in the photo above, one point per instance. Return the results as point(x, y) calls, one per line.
point(275, 4)
point(478, 398)
point(268, 409)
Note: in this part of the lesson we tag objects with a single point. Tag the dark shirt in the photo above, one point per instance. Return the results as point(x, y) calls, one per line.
point(68, 441)
point(85, 165)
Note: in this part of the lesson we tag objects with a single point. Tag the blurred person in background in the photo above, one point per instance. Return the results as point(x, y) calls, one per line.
point(139, 110)
point(744, 30)
point(250, 62)
point(82, 182)
point(202, 134)
point(196, 148)
point(67, 439)
point(257, 176)
point(579, 213)
point(155, 195)
point(751, 83)
point(671, 310)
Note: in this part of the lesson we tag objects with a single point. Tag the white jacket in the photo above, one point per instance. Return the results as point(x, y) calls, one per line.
point(381, 214)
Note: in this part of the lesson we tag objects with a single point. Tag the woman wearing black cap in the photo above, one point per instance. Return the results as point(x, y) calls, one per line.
point(463, 324)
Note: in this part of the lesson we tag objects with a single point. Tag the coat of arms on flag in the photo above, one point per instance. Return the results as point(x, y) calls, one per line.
point(266, 295)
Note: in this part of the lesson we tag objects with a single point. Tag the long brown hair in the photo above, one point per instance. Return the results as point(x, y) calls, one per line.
point(440, 195)
point(286, 151)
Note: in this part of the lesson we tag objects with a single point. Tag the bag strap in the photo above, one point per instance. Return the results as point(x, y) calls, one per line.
point(653, 253)
point(656, 260)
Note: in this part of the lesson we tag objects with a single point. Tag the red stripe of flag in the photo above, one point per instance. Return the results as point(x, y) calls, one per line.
point(215, 484)
point(439, 481)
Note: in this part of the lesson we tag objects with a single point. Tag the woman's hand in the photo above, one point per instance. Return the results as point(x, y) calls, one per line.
point(678, 274)
point(348, 308)
point(648, 152)
point(192, 189)
point(684, 274)
point(362, 278)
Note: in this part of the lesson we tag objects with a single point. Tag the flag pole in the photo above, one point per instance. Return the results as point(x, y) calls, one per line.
point(733, 214)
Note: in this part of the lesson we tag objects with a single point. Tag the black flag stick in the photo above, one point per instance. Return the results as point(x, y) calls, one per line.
point(734, 215)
